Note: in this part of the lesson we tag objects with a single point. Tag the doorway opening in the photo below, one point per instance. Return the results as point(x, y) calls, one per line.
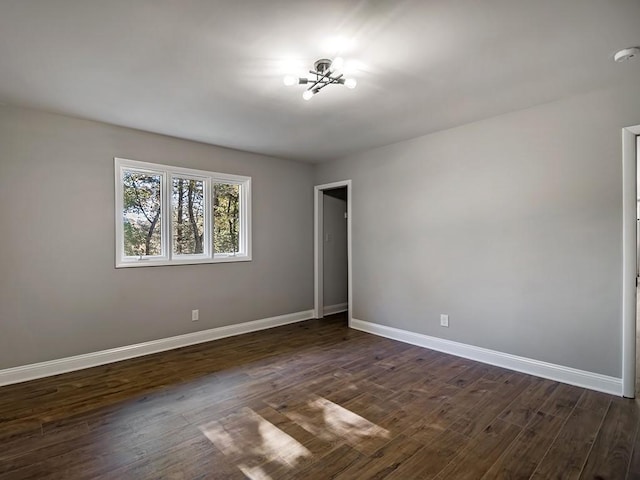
point(332, 249)
point(630, 149)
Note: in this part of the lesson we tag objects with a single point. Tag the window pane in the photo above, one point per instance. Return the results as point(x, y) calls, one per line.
point(226, 218)
point(188, 216)
point(141, 213)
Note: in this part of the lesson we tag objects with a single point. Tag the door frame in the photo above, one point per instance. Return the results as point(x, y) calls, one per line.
point(318, 256)
point(629, 257)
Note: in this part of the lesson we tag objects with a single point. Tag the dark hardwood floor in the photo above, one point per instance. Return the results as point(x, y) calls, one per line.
point(313, 400)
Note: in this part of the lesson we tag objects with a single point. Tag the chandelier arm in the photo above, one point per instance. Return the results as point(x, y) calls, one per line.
point(317, 89)
point(329, 81)
point(336, 79)
point(319, 80)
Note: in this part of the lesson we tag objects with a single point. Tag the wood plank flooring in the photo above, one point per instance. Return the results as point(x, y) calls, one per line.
point(313, 400)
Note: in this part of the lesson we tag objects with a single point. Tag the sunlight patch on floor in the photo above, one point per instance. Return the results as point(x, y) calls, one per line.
point(250, 441)
point(331, 422)
point(254, 473)
point(263, 451)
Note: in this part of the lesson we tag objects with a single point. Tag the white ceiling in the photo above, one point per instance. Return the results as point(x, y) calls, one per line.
point(212, 70)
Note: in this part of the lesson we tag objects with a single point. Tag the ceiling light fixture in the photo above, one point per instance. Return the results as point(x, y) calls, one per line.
point(326, 72)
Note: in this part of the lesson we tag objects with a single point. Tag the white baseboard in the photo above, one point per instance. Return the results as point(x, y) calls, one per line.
point(87, 360)
point(337, 308)
point(572, 376)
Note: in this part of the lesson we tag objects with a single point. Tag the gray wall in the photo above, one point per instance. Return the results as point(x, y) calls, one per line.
point(60, 294)
point(511, 225)
point(335, 276)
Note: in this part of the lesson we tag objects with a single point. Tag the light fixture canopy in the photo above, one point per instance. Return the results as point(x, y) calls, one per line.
point(325, 72)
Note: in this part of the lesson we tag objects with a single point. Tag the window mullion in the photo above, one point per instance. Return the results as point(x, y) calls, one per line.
point(208, 216)
point(245, 217)
point(120, 208)
point(166, 215)
point(213, 220)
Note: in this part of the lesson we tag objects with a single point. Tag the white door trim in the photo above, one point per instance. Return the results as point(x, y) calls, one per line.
point(629, 260)
point(318, 234)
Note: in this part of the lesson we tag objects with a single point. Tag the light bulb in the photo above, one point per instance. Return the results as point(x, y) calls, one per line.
point(337, 64)
point(307, 94)
point(289, 80)
point(350, 83)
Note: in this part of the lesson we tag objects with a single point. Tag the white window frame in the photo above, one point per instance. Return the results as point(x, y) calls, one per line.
point(167, 174)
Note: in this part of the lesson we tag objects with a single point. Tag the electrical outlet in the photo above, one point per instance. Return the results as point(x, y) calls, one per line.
point(444, 320)
point(195, 315)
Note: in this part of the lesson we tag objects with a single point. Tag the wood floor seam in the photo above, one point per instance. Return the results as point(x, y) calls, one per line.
point(551, 443)
point(584, 463)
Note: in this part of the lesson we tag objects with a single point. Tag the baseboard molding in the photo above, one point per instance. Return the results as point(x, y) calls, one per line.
point(337, 308)
point(572, 376)
point(79, 362)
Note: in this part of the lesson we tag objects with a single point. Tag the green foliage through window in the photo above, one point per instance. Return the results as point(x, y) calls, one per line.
point(226, 218)
point(142, 213)
point(188, 216)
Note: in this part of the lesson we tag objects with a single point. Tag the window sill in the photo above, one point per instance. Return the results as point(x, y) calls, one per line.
point(183, 261)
